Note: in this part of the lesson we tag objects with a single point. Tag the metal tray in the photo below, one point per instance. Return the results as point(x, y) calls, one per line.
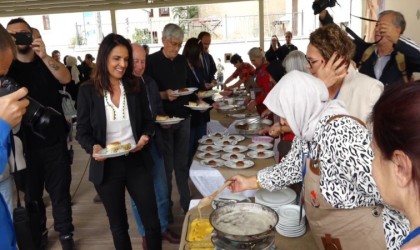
point(234, 110)
point(251, 126)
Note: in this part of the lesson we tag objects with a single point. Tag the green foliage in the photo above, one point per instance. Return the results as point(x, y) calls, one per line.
point(142, 36)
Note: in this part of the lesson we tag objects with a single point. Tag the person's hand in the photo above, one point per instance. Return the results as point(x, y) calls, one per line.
point(333, 72)
point(241, 183)
point(96, 149)
point(144, 139)
point(216, 105)
point(266, 113)
point(264, 131)
point(13, 106)
point(275, 130)
point(170, 94)
point(208, 85)
point(38, 47)
point(252, 105)
point(388, 31)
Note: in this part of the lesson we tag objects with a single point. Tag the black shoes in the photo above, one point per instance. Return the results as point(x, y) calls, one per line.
point(320, 5)
point(67, 242)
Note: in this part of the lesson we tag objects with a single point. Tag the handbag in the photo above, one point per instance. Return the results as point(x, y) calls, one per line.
point(26, 220)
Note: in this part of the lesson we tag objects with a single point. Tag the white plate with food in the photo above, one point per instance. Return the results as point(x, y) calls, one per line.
point(218, 135)
point(260, 146)
point(166, 120)
point(184, 91)
point(242, 116)
point(235, 149)
point(225, 142)
point(209, 148)
point(206, 140)
point(233, 156)
point(237, 138)
point(213, 163)
point(205, 94)
point(200, 106)
point(260, 154)
point(227, 107)
point(239, 164)
point(115, 149)
point(208, 155)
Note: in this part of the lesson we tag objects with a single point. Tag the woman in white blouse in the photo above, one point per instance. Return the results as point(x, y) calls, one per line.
point(112, 107)
point(331, 153)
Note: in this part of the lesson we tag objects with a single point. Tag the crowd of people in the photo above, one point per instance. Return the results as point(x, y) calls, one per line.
point(361, 188)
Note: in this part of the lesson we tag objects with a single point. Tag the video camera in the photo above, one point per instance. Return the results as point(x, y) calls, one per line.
point(320, 5)
point(37, 116)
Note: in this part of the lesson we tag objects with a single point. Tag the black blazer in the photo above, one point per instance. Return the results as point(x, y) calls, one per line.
point(91, 125)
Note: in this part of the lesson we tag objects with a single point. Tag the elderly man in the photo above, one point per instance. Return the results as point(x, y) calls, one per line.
point(159, 174)
point(394, 58)
point(169, 69)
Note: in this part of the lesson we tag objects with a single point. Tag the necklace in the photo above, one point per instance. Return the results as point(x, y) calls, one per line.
point(108, 102)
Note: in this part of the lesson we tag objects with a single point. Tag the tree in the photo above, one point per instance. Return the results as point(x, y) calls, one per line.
point(185, 14)
point(141, 36)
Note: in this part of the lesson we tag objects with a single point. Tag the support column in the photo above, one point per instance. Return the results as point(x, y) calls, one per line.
point(261, 22)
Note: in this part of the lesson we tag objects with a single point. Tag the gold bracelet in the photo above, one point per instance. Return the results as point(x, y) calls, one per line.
point(258, 183)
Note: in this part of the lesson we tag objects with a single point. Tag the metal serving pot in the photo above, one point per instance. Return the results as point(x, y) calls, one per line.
point(244, 222)
point(251, 126)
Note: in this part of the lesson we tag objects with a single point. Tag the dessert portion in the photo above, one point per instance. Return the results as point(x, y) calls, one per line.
point(209, 140)
point(232, 137)
point(233, 156)
point(202, 93)
point(212, 162)
point(183, 90)
point(240, 164)
point(217, 134)
point(161, 118)
point(209, 148)
point(260, 146)
point(226, 142)
point(207, 155)
point(192, 104)
point(236, 149)
point(260, 154)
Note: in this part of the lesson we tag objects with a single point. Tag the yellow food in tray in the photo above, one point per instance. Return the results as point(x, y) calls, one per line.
point(200, 230)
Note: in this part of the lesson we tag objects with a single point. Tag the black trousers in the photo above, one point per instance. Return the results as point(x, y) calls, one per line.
point(50, 166)
point(127, 172)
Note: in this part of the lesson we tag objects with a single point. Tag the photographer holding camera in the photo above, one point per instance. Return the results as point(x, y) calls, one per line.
point(12, 108)
point(43, 131)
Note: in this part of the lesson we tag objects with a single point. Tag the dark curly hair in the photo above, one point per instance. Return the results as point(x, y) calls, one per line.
point(330, 38)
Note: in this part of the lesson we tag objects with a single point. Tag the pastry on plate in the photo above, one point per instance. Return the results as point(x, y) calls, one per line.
point(240, 164)
point(260, 154)
point(183, 90)
point(113, 147)
point(161, 118)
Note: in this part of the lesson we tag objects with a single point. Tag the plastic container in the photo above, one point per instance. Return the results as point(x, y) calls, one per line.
point(203, 239)
point(263, 139)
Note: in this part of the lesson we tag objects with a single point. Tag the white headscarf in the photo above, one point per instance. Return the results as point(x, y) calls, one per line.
point(302, 100)
point(72, 62)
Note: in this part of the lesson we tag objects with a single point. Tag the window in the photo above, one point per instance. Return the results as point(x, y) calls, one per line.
point(163, 11)
point(151, 13)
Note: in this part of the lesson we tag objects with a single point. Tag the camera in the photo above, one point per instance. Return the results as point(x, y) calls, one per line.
point(23, 38)
point(37, 116)
point(320, 5)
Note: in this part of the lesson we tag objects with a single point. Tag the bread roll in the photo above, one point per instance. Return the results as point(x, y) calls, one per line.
point(162, 118)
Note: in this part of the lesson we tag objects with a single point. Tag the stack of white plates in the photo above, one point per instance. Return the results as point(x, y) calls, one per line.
point(275, 199)
point(289, 224)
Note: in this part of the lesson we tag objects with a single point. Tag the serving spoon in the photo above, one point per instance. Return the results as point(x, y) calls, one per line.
point(204, 202)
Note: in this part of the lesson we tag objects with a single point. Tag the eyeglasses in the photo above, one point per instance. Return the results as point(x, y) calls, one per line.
point(311, 63)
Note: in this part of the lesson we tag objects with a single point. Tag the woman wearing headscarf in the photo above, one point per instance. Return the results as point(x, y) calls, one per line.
point(331, 153)
point(274, 52)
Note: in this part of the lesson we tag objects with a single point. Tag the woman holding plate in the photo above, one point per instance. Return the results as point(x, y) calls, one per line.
point(193, 50)
point(331, 154)
point(113, 108)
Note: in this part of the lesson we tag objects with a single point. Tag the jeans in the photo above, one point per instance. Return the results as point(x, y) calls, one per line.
point(175, 153)
point(6, 190)
point(197, 133)
point(161, 190)
point(127, 173)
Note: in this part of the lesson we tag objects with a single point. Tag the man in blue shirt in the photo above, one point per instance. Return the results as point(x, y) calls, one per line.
point(12, 108)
